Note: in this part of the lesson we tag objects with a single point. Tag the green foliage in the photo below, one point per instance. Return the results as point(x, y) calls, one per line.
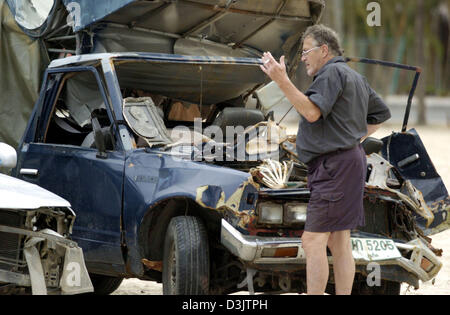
point(395, 40)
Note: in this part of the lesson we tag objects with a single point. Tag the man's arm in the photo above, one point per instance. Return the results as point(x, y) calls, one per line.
point(277, 72)
point(378, 112)
point(300, 101)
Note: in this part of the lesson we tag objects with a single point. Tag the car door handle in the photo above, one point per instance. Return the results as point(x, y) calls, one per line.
point(29, 172)
point(408, 160)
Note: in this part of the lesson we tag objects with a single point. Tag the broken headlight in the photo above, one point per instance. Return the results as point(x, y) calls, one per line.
point(275, 213)
point(270, 213)
point(295, 213)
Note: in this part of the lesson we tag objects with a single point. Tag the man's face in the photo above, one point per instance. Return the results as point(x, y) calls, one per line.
point(314, 59)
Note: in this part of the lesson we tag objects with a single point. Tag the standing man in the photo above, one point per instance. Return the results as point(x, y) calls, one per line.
point(338, 111)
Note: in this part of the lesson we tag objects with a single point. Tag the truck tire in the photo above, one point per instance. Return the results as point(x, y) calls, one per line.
point(386, 288)
point(186, 258)
point(104, 285)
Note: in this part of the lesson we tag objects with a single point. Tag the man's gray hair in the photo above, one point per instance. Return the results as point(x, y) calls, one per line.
point(324, 35)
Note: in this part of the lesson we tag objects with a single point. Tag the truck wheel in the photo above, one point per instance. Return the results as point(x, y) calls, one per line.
point(104, 285)
point(386, 288)
point(186, 258)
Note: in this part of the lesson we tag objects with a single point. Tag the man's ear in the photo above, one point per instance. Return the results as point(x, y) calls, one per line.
point(325, 50)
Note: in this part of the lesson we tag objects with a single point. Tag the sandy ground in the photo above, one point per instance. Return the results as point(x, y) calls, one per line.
point(437, 141)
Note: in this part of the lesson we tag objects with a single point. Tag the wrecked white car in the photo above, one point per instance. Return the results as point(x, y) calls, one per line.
point(36, 251)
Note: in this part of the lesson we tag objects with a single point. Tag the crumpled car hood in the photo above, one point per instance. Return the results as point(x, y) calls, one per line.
point(18, 194)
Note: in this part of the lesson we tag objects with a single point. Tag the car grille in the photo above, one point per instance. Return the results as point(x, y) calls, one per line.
point(10, 244)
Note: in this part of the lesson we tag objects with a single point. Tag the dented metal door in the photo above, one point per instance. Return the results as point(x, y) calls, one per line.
point(407, 153)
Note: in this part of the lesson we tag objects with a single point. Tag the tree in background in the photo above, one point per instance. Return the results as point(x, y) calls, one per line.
point(414, 32)
point(420, 58)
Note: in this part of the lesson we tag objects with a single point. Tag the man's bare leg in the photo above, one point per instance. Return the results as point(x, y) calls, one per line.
point(317, 270)
point(343, 261)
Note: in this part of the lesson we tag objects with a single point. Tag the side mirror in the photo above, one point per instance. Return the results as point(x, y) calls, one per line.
point(99, 139)
point(8, 156)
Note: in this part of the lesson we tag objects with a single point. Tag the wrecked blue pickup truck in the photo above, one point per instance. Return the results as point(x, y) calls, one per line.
point(160, 197)
point(163, 195)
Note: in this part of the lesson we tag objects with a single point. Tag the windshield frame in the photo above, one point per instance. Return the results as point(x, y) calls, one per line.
point(111, 61)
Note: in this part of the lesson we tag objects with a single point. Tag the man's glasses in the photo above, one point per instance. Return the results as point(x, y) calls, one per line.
point(306, 52)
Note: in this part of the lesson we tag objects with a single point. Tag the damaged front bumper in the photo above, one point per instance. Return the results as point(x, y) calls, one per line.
point(45, 271)
point(415, 257)
point(256, 249)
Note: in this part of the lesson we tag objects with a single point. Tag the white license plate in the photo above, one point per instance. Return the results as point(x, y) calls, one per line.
point(374, 249)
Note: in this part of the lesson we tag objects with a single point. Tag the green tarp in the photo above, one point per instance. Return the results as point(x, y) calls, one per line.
point(20, 76)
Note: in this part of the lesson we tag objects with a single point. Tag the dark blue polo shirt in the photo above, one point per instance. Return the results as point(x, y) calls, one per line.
point(347, 103)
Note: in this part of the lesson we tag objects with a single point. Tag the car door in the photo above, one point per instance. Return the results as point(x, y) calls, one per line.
point(54, 154)
point(408, 154)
